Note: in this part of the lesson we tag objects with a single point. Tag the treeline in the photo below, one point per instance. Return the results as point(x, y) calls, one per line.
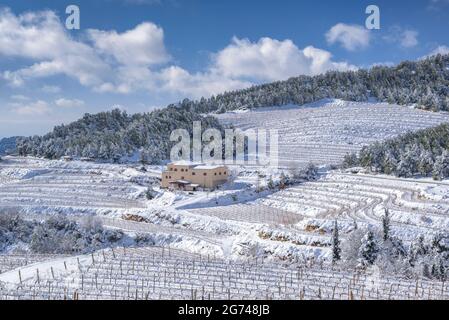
point(60, 235)
point(424, 83)
point(7, 145)
point(424, 152)
point(55, 235)
point(115, 134)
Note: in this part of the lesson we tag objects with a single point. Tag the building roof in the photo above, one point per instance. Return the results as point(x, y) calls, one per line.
point(196, 165)
point(208, 167)
point(185, 163)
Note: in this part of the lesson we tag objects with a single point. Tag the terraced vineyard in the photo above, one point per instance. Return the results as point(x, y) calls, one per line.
point(250, 213)
point(157, 273)
point(238, 244)
point(363, 198)
point(29, 185)
point(324, 132)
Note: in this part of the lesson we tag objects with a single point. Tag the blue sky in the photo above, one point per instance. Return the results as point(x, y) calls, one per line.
point(142, 54)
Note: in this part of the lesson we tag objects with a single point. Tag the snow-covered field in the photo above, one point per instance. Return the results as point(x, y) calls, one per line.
point(158, 273)
point(55, 186)
point(325, 131)
point(244, 241)
point(363, 198)
point(210, 252)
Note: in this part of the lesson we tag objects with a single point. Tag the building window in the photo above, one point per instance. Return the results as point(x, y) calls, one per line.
point(204, 174)
point(193, 173)
point(182, 178)
point(187, 170)
point(215, 174)
point(176, 169)
point(219, 173)
point(166, 177)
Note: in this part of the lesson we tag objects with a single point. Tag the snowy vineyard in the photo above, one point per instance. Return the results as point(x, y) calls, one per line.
point(325, 131)
point(417, 207)
point(12, 261)
point(37, 184)
point(251, 213)
point(158, 273)
point(240, 242)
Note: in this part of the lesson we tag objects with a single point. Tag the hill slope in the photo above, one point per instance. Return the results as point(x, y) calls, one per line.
point(113, 135)
point(324, 132)
point(423, 83)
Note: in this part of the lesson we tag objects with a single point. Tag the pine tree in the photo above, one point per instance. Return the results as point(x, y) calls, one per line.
point(143, 157)
point(425, 271)
point(421, 247)
point(149, 193)
point(368, 250)
point(270, 183)
point(350, 160)
point(336, 250)
point(435, 272)
point(386, 225)
point(442, 270)
point(441, 166)
point(417, 250)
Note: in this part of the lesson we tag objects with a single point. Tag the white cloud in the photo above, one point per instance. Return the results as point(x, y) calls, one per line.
point(137, 60)
point(176, 79)
point(69, 103)
point(35, 108)
point(351, 37)
point(405, 38)
point(243, 63)
point(143, 45)
point(410, 39)
point(271, 59)
point(19, 97)
point(41, 37)
point(321, 61)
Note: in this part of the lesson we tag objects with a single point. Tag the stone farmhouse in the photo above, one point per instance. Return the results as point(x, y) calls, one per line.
point(189, 176)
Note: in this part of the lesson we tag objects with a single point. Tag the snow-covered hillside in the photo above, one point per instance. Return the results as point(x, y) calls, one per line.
point(55, 186)
point(324, 132)
point(278, 237)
